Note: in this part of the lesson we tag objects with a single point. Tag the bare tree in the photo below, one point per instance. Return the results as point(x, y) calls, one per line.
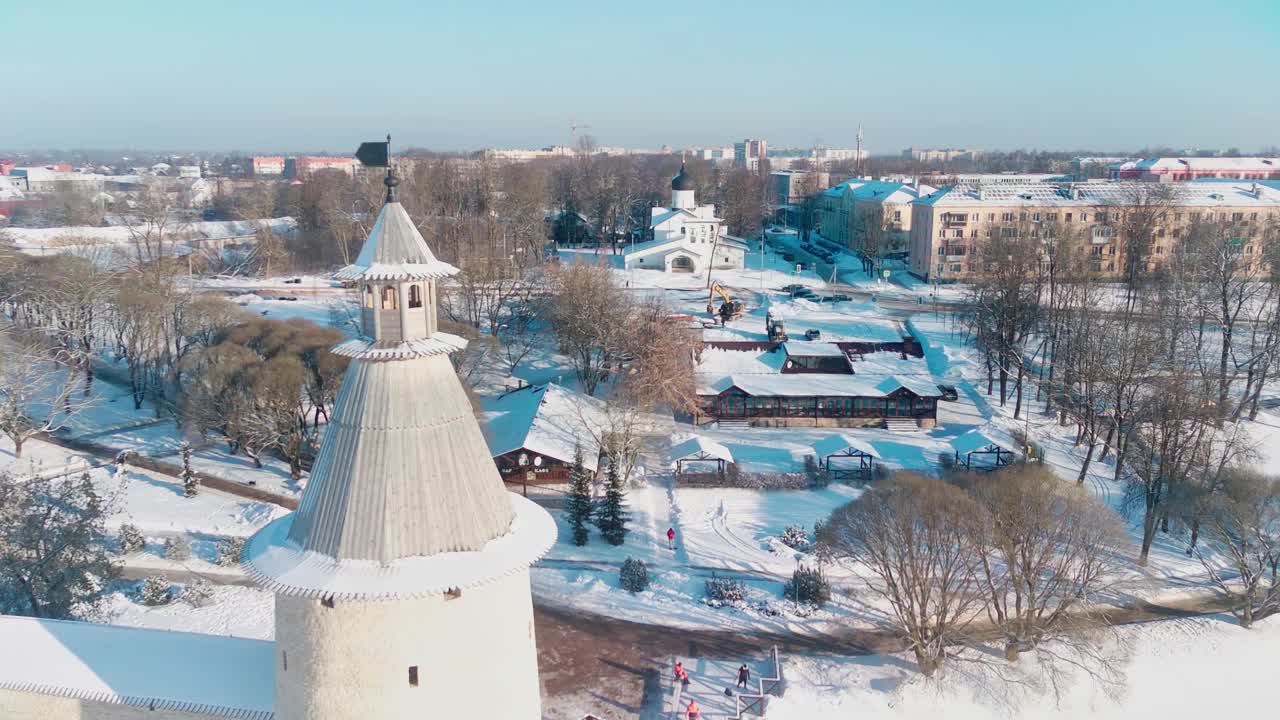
point(1242, 526)
point(916, 536)
point(1045, 548)
point(37, 392)
point(587, 315)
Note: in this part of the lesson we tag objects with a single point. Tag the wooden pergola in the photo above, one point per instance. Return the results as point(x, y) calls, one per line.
point(846, 457)
point(699, 452)
point(974, 446)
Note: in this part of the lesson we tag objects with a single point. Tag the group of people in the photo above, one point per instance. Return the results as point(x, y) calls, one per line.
point(692, 711)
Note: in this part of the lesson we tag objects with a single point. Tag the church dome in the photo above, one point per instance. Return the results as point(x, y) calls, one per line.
point(683, 180)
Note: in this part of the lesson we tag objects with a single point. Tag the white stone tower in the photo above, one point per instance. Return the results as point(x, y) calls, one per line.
point(682, 190)
point(402, 580)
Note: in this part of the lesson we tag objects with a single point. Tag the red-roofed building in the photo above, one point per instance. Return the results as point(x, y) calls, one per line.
point(268, 165)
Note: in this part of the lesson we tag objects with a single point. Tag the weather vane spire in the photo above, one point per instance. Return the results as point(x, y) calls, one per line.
point(378, 154)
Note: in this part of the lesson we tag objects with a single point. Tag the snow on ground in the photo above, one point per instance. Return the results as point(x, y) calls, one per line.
point(231, 610)
point(321, 310)
point(1186, 668)
point(54, 237)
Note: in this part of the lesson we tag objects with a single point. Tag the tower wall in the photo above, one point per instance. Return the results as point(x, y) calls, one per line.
point(682, 200)
point(351, 661)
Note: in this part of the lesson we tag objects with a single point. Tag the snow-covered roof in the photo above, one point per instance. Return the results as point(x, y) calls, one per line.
point(840, 442)
point(810, 348)
point(440, 343)
point(395, 250)
point(740, 362)
point(1242, 193)
point(698, 447)
point(147, 669)
point(816, 385)
point(971, 441)
point(1209, 164)
point(274, 560)
point(921, 386)
point(403, 470)
point(548, 420)
point(880, 191)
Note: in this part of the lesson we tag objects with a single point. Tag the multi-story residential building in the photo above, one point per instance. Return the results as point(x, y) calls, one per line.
point(304, 167)
point(1192, 168)
point(949, 227)
point(934, 155)
point(790, 187)
point(869, 215)
point(748, 154)
point(38, 180)
point(268, 165)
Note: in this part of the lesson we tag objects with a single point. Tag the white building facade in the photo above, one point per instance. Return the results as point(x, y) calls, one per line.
point(687, 237)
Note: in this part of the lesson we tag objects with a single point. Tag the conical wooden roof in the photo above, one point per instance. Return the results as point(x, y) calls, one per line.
point(395, 250)
point(404, 470)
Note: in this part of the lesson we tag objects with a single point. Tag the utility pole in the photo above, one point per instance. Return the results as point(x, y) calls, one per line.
point(858, 151)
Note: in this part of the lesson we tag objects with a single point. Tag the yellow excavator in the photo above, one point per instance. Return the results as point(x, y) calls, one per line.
point(730, 309)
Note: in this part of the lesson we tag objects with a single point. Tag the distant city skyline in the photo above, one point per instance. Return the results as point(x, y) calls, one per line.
point(294, 77)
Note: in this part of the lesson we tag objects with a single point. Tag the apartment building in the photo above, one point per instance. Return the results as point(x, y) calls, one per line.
point(937, 155)
point(862, 211)
point(749, 153)
point(949, 226)
point(268, 165)
point(1195, 168)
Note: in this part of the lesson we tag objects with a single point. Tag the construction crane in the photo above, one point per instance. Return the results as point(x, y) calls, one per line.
point(730, 309)
point(573, 133)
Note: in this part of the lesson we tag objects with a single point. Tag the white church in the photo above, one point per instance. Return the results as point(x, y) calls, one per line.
point(687, 237)
point(401, 582)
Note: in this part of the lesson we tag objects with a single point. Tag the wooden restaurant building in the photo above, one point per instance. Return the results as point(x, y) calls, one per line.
point(814, 384)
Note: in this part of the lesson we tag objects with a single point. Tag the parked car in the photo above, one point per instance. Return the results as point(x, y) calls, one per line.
point(788, 257)
point(792, 288)
point(838, 297)
point(803, 292)
point(812, 334)
point(949, 393)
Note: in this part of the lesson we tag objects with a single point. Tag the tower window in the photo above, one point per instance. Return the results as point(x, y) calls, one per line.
point(390, 301)
point(284, 660)
point(415, 296)
point(368, 296)
point(413, 676)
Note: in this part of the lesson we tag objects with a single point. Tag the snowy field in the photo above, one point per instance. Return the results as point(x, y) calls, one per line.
point(1200, 667)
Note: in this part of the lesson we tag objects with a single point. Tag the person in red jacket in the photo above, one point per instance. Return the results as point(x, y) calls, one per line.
point(693, 712)
point(679, 671)
point(671, 538)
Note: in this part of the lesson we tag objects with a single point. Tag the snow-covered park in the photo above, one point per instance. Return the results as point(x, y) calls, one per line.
point(722, 532)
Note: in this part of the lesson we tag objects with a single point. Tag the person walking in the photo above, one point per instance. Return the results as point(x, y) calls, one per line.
point(692, 711)
point(744, 676)
point(671, 538)
point(680, 674)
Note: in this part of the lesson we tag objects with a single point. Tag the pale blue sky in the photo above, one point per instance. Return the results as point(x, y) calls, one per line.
point(296, 75)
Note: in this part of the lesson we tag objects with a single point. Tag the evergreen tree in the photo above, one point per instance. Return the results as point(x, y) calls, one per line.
point(579, 505)
point(611, 518)
point(190, 483)
point(131, 539)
